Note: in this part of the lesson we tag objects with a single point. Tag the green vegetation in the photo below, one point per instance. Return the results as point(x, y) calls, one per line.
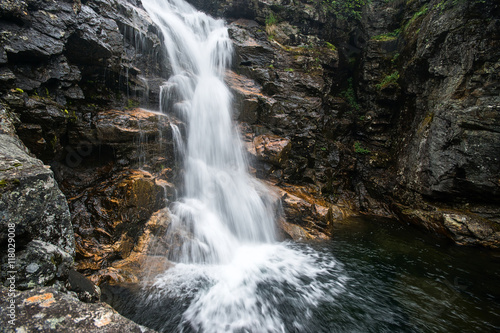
point(271, 22)
point(441, 6)
point(388, 36)
point(395, 57)
point(345, 9)
point(271, 19)
point(19, 90)
point(288, 69)
point(423, 10)
point(388, 80)
point(350, 96)
point(53, 142)
point(132, 104)
point(330, 46)
point(360, 150)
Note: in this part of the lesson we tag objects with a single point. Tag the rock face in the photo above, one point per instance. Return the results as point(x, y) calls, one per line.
point(71, 78)
point(402, 113)
point(433, 94)
point(34, 216)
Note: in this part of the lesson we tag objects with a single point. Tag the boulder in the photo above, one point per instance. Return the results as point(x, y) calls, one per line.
point(50, 310)
point(38, 264)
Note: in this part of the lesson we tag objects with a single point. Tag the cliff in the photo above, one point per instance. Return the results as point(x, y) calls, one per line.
point(391, 110)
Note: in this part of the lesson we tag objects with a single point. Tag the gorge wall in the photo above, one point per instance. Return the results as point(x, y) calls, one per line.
point(395, 114)
point(391, 111)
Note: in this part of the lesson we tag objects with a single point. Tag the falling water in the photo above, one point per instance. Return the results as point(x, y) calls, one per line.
point(221, 205)
point(229, 270)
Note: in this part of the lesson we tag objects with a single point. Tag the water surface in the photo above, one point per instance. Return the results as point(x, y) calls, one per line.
point(373, 276)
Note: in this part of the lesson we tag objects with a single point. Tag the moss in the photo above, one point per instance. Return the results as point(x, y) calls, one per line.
point(53, 142)
point(388, 36)
point(288, 69)
point(19, 90)
point(3, 183)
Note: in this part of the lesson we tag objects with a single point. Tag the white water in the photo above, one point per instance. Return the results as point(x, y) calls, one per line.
point(222, 233)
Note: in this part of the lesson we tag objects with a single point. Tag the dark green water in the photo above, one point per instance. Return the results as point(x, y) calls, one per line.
point(387, 277)
point(402, 280)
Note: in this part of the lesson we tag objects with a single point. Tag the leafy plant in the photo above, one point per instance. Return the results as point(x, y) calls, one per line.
point(388, 80)
point(388, 36)
point(271, 22)
point(350, 96)
point(288, 69)
point(330, 46)
point(345, 9)
point(360, 150)
point(271, 19)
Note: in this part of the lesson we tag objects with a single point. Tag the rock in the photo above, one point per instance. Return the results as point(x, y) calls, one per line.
point(31, 199)
point(50, 310)
point(306, 215)
point(115, 126)
point(249, 97)
point(147, 259)
point(99, 36)
point(110, 217)
point(34, 214)
point(273, 149)
point(86, 290)
point(38, 264)
point(464, 228)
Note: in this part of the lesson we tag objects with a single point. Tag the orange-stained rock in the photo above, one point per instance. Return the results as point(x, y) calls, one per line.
point(146, 259)
point(110, 218)
point(272, 149)
point(307, 215)
point(46, 309)
point(249, 97)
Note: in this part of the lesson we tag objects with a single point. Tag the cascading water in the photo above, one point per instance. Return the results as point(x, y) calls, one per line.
point(230, 271)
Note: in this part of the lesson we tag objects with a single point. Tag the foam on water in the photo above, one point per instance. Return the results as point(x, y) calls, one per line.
point(265, 288)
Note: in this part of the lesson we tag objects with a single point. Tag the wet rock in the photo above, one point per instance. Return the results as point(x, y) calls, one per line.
point(110, 217)
point(85, 289)
point(50, 310)
point(250, 99)
point(306, 214)
point(273, 149)
point(464, 228)
point(147, 259)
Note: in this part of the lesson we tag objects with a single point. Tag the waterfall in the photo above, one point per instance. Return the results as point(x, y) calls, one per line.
point(229, 269)
point(222, 206)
